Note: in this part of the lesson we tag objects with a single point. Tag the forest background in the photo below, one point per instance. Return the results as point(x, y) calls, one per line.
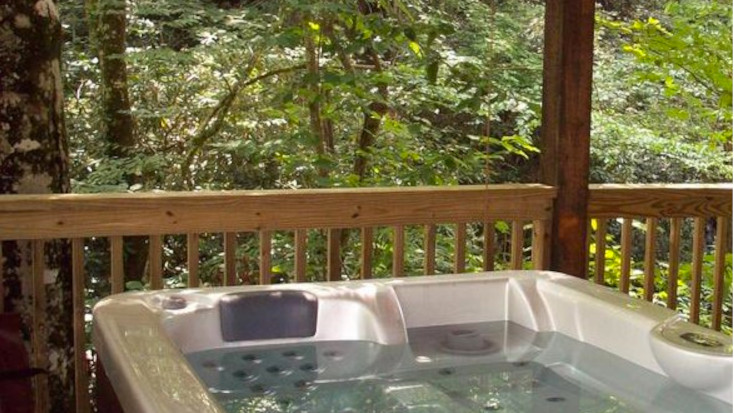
point(187, 95)
point(199, 94)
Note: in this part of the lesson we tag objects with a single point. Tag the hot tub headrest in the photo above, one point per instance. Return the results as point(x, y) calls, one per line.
point(266, 315)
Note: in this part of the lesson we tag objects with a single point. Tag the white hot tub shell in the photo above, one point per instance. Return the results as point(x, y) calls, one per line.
point(142, 337)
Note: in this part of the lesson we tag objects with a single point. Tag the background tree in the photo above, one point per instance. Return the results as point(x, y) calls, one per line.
point(34, 159)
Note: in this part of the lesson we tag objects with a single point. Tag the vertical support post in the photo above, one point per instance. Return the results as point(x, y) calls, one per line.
point(488, 250)
point(673, 263)
point(649, 280)
point(155, 254)
point(230, 258)
point(333, 255)
point(265, 259)
point(192, 258)
point(624, 279)
point(300, 255)
point(516, 245)
point(699, 244)
point(39, 336)
point(540, 247)
point(429, 246)
point(722, 225)
point(460, 248)
point(117, 270)
point(366, 253)
point(398, 253)
point(81, 378)
point(566, 126)
point(601, 249)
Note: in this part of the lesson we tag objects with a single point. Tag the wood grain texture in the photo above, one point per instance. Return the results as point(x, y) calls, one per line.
point(722, 225)
point(192, 259)
point(81, 374)
point(266, 245)
point(230, 258)
point(541, 244)
point(673, 263)
point(566, 119)
point(429, 246)
point(488, 250)
point(660, 200)
point(398, 251)
point(333, 255)
point(117, 270)
point(299, 264)
point(516, 245)
point(651, 226)
point(626, 266)
point(600, 248)
point(39, 345)
point(366, 252)
point(155, 261)
point(84, 215)
point(699, 243)
point(460, 248)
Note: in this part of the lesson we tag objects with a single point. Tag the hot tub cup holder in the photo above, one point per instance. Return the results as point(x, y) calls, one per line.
point(694, 356)
point(467, 342)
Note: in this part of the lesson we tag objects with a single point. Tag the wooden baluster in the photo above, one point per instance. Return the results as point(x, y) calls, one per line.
point(649, 280)
point(722, 225)
point(333, 255)
point(488, 251)
point(673, 263)
point(699, 243)
point(460, 248)
point(398, 251)
point(81, 378)
point(230, 258)
point(366, 253)
point(541, 244)
point(624, 279)
point(601, 248)
point(265, 258)
point(587, 251)
point(429, 246)
point(39, 345)
point(155, 253)
point(300, 255)
point(117, 268)
point(192, 258)
point(516, 246)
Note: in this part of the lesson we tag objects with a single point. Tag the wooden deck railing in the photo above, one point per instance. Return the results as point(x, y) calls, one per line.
point(39, 218)
point(653, 203)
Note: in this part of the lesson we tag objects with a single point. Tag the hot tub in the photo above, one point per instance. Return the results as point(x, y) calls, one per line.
point(517, 341)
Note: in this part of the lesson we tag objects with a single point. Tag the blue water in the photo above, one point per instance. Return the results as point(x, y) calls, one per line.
point(517, 370)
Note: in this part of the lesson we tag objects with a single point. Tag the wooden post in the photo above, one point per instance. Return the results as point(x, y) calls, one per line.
point(567, 72)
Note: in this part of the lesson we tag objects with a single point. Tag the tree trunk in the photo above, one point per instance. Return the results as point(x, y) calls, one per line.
point(371, 124)
point(33, 159)
point(110, 29)
point(107, 20)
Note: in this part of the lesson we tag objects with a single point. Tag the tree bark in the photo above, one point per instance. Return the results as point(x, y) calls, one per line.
point(107, 20)
point(371, 124)
point(34, 159)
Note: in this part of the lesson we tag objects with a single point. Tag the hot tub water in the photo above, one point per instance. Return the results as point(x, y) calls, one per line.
point(481, 367)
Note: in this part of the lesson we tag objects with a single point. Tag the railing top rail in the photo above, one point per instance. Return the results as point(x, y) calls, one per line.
point(660, 200)
point(84, 215)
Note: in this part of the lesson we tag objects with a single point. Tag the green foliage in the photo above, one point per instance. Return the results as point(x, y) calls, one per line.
point(223, 96)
